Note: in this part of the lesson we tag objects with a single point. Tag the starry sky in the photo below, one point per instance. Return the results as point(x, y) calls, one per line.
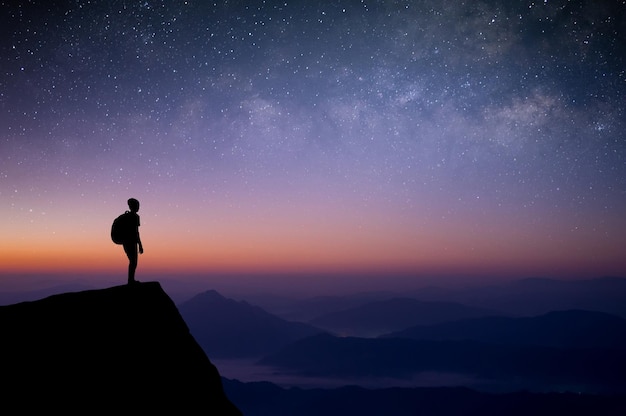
point(425, 138)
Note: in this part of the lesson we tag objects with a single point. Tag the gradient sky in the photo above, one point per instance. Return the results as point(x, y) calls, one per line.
point(482, 138)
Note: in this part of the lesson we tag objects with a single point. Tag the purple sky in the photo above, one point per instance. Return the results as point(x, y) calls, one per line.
point(422, 138)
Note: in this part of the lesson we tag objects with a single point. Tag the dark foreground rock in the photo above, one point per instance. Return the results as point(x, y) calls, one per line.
point(121, 349)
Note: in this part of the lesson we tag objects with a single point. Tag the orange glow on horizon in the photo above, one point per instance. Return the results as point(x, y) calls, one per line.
point(328, 240)
point(325, 250)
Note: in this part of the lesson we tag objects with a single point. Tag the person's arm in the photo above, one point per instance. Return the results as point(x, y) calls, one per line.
point(138, 237)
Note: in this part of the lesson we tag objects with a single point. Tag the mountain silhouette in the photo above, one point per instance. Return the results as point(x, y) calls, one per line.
point(565, 329)
point(536, 296)
point(226, 328)
point(305, 309)
point(121, 349)
point(377, 318)
point(9, 298)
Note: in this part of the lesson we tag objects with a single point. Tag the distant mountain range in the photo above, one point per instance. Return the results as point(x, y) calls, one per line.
point(561, 329)
point(524, 297)
point(129, 347)
point(575, 348)
point(226, 328)
point(376, 318)
point(308, 308)
point(536, 296)
point(9, 298)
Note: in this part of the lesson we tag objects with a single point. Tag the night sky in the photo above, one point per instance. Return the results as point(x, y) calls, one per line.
point(428, 138)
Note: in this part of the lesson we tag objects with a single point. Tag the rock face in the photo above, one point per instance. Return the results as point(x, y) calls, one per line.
point(125, 348)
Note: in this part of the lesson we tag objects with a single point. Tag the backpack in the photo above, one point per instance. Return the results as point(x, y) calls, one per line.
point(122, 228)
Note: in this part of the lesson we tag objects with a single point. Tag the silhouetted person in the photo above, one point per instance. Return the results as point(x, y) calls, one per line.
point(133, 242)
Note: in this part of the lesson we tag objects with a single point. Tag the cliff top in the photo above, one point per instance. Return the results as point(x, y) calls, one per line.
point(124, 347)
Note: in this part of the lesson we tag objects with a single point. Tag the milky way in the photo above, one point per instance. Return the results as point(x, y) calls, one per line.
point(427, 128)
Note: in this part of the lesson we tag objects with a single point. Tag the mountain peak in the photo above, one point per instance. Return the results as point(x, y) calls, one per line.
point(125, 347)
point(211, 294)
point(212, 317)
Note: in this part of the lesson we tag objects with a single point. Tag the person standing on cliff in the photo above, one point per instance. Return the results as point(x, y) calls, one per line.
point(132, 245)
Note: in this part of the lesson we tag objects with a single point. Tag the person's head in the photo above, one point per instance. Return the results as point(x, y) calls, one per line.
point(133, 204)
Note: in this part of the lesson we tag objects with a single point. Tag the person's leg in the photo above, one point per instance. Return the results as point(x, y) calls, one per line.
point(131, 253)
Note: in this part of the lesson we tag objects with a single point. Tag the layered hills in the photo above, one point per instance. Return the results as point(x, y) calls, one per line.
point(130, 348)
point(376, 318)
point(562, 329)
